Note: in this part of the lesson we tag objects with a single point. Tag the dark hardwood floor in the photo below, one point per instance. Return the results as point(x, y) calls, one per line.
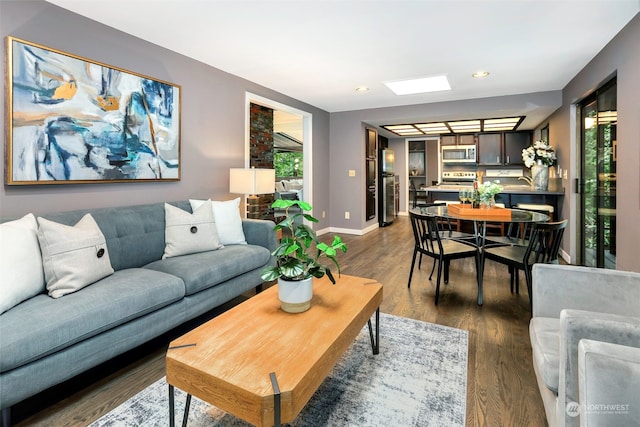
point(501, 386)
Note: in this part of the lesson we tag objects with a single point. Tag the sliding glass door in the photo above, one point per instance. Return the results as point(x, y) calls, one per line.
point(597, 183)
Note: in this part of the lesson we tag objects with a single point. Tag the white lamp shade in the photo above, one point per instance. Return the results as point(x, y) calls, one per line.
point(252, 181)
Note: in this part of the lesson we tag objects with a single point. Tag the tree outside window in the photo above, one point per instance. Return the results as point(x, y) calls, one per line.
point(288, 163)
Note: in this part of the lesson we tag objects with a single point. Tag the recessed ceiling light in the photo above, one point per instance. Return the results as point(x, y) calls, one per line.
point(480, 74)
point(422, 85)
point(362, 89)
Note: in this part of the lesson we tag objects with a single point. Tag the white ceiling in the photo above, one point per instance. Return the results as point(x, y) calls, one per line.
point(320, 51)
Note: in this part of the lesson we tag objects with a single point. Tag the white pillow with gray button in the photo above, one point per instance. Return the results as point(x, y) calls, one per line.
point(226, 214)
point(188, 233)
point(72, 256)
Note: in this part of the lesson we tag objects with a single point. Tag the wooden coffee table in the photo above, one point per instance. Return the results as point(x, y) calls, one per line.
point(263, 365)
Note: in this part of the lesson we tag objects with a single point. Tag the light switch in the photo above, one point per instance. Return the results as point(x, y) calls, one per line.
point(352, 172)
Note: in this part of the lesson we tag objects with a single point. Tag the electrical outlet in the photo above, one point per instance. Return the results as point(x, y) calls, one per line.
point(324, 214)
point(346, 215)
point(352, 172)
point(564, 174)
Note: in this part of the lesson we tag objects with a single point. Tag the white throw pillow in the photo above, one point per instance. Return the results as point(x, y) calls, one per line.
point(187, 233)
point(73, 256)
point(21, 274)
point(228, 220)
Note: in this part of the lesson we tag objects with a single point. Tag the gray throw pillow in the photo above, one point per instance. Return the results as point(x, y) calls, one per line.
point(187, 233)
point(72, 256)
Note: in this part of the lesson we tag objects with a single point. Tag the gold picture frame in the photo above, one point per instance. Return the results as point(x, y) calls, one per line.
point(72, 120)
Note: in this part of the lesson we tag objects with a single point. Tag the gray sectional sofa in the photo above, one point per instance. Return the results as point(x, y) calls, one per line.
point(45, 341)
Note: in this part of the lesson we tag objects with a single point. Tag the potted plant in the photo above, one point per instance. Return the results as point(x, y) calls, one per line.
point(487, 193)
point(298, 257)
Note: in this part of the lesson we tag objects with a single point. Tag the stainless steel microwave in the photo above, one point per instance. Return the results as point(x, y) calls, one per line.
point(459, 154)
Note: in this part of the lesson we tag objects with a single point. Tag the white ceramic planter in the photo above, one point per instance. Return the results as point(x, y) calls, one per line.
point(295, 296)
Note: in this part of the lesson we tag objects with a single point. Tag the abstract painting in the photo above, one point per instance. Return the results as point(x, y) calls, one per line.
point(73, 120)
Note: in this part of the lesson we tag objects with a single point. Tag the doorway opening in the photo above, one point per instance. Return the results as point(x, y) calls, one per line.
point(424, 168)
point(291, 146)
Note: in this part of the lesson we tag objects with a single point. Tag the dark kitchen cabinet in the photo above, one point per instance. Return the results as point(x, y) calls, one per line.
point(459, 139)
point(371, 203)
point(371, 147)
point(502, 149)
point(514, 143)
point(371, 143)
point(489, 148)
point(448, 140)
point(467, 139)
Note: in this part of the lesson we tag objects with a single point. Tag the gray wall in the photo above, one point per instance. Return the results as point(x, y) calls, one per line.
point(213, 116)
point(621, 55)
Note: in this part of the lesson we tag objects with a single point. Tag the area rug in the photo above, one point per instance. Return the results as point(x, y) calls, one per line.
point(418, 379)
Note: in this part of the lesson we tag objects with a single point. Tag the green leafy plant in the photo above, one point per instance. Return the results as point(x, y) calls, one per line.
point(299, 252)
point(488, 190)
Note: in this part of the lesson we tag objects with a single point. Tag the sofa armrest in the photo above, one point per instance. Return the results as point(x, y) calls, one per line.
point(260, 232)
point(609, 383)
point(558, 287)
point(576, 325)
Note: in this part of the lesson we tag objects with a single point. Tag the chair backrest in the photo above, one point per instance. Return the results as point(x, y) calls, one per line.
point(523, 230)
point(426, 233)
point(444, 224)
point(419, 197)
point(544, 243)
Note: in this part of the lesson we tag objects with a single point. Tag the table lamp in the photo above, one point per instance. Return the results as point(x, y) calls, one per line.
point(252, 181)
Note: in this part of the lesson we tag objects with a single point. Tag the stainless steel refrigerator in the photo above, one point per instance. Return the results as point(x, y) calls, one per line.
point(386, 192)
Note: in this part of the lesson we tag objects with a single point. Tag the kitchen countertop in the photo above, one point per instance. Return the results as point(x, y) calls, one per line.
point(508, 189)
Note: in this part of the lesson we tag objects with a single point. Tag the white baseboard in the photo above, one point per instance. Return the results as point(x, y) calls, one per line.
point(323, 231)
point(565, 256)
point(348, 230)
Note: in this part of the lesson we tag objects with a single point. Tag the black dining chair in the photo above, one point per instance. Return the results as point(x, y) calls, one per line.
point(419, 197)
point(543, 247)
point(517, 233)
point(429, 241)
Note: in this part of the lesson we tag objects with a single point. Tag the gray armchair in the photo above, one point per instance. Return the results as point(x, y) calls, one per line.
point(573, 308)
point(608, 375)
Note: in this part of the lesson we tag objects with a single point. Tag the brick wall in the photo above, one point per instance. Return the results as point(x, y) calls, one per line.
point(261, 151)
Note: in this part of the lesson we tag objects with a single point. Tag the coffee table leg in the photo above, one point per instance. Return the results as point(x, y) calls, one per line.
point(375, 343)
point(172, 421)
point(186, 411)
point(172, 408)
point(276, 399)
